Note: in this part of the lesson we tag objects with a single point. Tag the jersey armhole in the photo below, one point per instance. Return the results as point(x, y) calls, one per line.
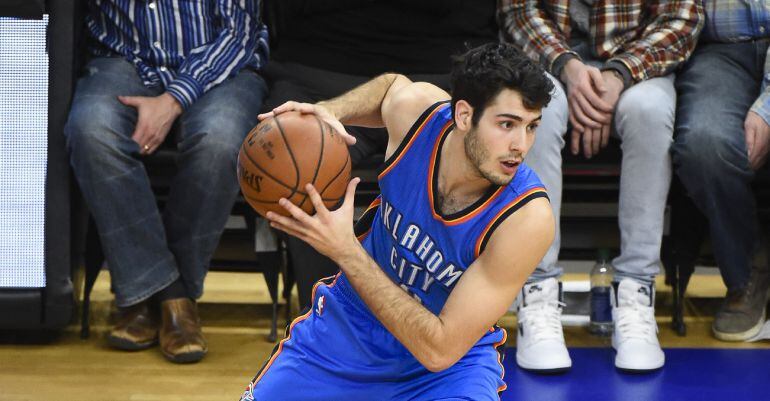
point(516, 204)
point(391, 161)
point(364, 224)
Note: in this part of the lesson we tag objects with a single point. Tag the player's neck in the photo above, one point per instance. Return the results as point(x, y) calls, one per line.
point(456, 174)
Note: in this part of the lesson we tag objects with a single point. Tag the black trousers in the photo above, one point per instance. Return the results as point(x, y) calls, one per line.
point(292, 81)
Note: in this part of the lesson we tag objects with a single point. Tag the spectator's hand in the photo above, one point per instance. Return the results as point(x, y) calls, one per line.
point(589, 114)
point(156, 116)
point(585, 86)
point(596, 139)
point(757, 139)
point(317, 109)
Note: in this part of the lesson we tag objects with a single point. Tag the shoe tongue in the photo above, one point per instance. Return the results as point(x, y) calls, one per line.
point(544, 290)
point(633, 292)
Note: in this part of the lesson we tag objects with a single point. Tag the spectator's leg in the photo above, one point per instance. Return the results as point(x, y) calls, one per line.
point(644, 120)
point(709, 151)
point(545, 159)
point(203, 191)
point(540, 345)
point(108, 167)
point(710, 156)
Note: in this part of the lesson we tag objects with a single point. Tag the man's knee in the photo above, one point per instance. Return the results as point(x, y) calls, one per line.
point(648, 104)
point(93, 128)
point(644, 115)
point(702, 148)
point(218, 141)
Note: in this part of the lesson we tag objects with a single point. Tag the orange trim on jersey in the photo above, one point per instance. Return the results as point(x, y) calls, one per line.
point(409, 144)
point(432, 161)
point(294, 323)
point(375, 204)
point(500, 213)
point(500, 360)
point(363, 236)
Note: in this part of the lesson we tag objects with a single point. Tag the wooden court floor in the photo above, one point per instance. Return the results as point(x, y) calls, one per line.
point(235, 314)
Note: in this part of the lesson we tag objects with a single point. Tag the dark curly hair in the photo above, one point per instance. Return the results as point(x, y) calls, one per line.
point(480, 74)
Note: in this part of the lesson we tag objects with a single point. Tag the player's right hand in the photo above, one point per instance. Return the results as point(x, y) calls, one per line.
point(308, 108)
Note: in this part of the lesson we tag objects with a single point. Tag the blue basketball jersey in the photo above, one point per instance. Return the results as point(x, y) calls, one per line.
point(421, 249)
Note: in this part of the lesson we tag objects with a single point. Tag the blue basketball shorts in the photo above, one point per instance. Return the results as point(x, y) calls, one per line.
point(339, 351)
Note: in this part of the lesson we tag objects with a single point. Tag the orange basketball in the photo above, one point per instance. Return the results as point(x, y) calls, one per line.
point(283, 154)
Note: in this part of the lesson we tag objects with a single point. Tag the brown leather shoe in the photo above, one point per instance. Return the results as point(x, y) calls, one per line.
point(181, 339)
point(136, 329)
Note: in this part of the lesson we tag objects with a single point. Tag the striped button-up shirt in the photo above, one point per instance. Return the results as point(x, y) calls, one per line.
point(640, 39)
point(731, 21)
point(187, 46)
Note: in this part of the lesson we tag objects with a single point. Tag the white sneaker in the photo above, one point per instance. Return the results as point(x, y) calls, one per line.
point(635, 337)
point(540, 340)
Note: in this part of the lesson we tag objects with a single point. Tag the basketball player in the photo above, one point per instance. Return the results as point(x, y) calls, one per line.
point(438, 257)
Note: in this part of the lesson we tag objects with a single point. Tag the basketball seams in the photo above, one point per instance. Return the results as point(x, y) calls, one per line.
point(336, 202)
point(258, 200)
point(281, 183)
point(320, 157)
point(272, 177)
point(291, 154)
point(347, 161)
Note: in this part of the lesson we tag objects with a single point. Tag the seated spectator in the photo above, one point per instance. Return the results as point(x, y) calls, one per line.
point(326, 48)
point(157, 69)
point(615, 64)
point(722, 139)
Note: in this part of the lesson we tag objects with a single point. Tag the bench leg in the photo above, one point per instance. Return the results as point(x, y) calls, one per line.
point(288, 282)
point(270, 272)
point(94, 259)
point(688, 231)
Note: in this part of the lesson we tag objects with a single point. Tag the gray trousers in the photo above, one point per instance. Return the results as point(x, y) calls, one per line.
point(644, 122)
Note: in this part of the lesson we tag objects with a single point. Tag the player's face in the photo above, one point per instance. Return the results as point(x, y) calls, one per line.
point(499, 142)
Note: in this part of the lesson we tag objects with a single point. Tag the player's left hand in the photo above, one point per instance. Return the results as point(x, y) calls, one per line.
point(757, 139)
point(329, 232)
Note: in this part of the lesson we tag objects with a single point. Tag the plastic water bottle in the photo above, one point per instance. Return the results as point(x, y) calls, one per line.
point(601, 310)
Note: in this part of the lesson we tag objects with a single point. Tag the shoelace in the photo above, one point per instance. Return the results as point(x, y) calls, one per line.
point(542, 319)
point(635, 321)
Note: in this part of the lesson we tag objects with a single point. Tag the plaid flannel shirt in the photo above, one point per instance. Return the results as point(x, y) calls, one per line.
point(729, 21)
point(639, 39)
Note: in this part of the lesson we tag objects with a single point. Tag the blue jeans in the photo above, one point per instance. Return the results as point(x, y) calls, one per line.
point(715, 89)
point(147, 249)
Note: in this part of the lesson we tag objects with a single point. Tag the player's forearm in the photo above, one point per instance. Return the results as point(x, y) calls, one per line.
point(418, 329)
point(362, 105)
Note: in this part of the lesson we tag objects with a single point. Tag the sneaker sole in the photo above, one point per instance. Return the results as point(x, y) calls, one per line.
point(555, 371)
point(633, 371)
point(128, 345)
point(543, 371)
point(637, 371)
point(189, 357)
point(742, 336)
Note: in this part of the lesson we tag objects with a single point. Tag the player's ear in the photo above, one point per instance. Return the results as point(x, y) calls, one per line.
point(463, 115)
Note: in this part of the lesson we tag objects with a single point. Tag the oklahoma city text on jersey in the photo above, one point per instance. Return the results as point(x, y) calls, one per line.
point(408, 236)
